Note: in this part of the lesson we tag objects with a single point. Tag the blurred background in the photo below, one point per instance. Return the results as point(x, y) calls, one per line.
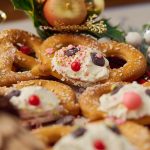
point(128, 13)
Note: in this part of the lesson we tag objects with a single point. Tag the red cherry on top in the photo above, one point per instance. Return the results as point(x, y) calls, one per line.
point(132, 100)
point(75, 66)
point(25, 49)
point(34, 100)
point(99, 145)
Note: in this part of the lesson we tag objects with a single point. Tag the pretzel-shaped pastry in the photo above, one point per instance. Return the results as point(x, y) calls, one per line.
point(42, 101)
point(10, 56)
point(124, 101)
point(80, 60)
point(62, 137)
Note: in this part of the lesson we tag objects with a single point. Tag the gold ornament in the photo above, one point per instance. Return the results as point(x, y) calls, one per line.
point(90, 25)
point(3, 16)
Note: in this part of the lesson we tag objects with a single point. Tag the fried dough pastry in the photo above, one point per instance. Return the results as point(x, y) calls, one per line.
point(117, 100)
point(82, 61)
point(121, 137)
point(11, 57)
point(42, 101)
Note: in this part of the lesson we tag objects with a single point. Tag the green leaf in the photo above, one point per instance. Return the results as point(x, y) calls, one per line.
point(114, 32)
point(26, 5)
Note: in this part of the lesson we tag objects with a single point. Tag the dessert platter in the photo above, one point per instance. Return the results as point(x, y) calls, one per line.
point(81, 84)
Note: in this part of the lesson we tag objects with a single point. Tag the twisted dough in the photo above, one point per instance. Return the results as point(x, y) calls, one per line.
point(135, 62)
point(50, 135)
point(89, 102)
point(10, 56)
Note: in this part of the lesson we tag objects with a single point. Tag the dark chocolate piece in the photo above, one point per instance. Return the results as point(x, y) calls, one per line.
point(115, 129)
point(99, 61)
point(147, 92)
point(71, 52)
point(79, 132)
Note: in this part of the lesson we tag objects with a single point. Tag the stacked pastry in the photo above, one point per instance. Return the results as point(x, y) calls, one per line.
point(73, 91)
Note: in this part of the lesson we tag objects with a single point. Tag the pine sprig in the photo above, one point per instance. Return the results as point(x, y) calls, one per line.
point(95, 27)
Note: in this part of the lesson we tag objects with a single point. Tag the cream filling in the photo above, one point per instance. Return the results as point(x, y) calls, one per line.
point(48, 100)
point(89, 72)
point(111, 140)
point(113, 106)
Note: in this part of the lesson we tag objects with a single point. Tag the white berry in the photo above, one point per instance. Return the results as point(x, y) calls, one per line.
point(147, 36)
point(133, 38)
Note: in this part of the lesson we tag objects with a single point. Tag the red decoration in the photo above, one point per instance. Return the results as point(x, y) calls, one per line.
point(75, 66)
point(99, 145)
point(34, 100)
point(25, 49)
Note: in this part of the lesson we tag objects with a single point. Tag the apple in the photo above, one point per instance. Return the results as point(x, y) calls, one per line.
point(65, 12)
point(99, 4)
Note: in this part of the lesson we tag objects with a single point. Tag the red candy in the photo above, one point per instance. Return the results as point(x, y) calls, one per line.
point(99, 145)
point(25, 49)
point(75, 66)
point(132, 100)
point(34, 100)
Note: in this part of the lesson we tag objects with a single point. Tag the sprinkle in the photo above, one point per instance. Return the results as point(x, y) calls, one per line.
point(49, 51)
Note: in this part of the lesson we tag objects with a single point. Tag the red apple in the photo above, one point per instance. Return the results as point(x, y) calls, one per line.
point(65, 12)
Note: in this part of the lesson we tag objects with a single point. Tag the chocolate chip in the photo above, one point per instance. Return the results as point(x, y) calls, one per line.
point(115, 129)
point(116, 89)
point(79, 132)
point(99, 61)
point(71, 52)
point(13, 93)
point(147, 92)
point(67, 120)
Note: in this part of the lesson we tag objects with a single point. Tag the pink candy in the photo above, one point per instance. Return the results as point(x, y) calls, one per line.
point(132, 100)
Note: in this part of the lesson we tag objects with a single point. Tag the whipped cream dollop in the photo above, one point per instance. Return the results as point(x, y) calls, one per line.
point(81, 63)
point(95, 136)
point(132, 101)
point(35, 99)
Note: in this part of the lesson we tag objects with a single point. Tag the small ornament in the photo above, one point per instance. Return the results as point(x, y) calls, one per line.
point(99, 145)
point(34, 100)
point(134, 38)
point(75, 66)
point(147, 36)
point(132, 100)
point(3, 16)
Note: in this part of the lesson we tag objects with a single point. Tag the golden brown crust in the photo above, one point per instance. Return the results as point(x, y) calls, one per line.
point(89, 102)
point(9, 55)
point(135, 61)
point(51, 134)
point(135, 133)
point(63, 92)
